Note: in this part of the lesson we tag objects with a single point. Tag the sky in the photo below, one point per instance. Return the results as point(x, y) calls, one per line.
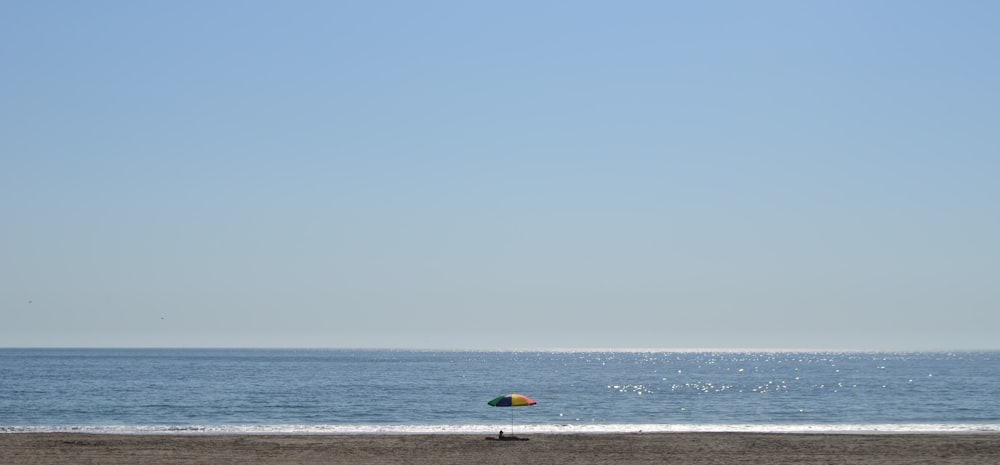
point(500, 175)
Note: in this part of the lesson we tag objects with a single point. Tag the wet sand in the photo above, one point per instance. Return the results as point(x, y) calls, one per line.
point(650, 448)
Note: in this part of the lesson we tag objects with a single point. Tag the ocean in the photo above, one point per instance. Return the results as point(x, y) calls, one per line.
point(167, 391)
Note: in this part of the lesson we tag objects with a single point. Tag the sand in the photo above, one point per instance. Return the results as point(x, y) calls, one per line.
point(651, 448)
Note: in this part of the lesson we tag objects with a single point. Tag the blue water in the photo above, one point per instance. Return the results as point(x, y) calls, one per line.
point(345, 391)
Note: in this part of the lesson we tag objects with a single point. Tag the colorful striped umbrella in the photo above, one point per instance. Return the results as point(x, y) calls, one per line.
point(512, 400)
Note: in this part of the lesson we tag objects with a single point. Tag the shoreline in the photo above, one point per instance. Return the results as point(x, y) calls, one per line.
point(347, 429)
point(196, 433)
point(427, 449)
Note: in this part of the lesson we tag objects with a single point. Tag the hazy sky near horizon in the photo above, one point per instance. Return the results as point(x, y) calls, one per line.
point(432, 174)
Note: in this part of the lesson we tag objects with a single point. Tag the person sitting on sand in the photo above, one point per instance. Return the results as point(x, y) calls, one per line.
point(501, 435)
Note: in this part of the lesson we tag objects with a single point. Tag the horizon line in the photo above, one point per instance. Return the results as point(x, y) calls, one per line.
point(521, 349)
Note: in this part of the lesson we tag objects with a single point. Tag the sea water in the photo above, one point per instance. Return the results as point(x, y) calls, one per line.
point(378, 391)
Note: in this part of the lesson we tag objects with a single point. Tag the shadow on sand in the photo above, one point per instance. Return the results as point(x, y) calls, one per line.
point(506, 438)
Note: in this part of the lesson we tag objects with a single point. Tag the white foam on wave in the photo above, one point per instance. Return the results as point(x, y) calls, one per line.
point(915, 428)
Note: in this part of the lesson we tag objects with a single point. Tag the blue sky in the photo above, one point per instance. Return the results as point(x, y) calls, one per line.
point(500, 175)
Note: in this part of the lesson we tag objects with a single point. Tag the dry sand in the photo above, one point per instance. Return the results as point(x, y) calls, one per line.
point(658, 448)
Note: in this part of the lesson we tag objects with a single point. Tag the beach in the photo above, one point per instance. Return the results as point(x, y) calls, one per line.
point(636, 448)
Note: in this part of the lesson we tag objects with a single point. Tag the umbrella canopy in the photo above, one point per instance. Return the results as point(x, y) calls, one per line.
point(512, 400)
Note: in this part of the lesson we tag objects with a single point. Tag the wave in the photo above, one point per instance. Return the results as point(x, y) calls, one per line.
point(910, 428)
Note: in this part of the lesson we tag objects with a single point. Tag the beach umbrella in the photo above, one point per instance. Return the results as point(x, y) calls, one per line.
point(512, 400)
